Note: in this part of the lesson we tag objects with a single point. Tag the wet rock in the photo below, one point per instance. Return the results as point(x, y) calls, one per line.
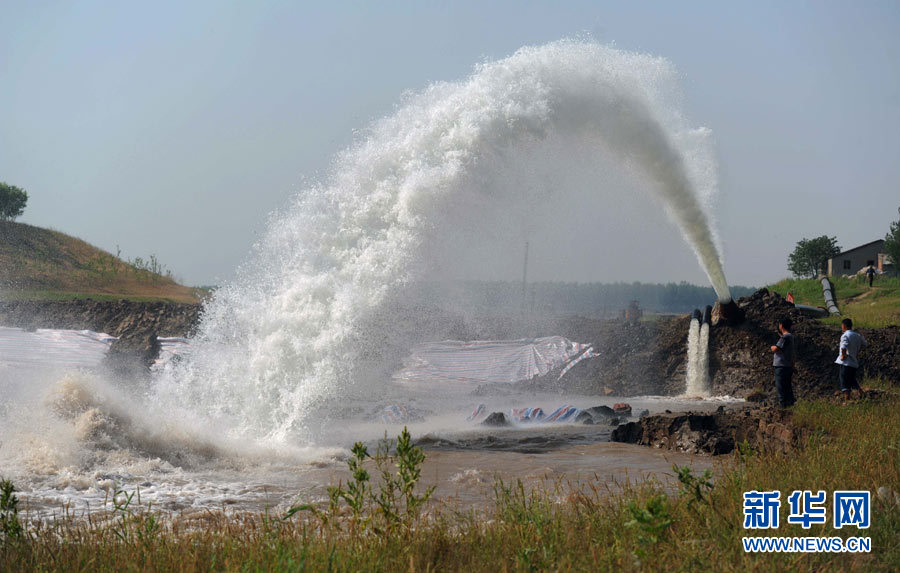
point(600, 411)
point(629, 433)
point(496, 419)
point(595, 415)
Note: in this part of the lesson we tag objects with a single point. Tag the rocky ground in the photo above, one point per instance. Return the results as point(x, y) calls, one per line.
point(719, 432)
point(759, 427)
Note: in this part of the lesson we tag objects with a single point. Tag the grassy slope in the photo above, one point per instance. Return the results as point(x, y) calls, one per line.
point(38, 263)
point(873, 308)
point(560, 527)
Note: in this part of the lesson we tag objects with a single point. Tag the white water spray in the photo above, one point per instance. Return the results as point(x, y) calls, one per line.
point(698, 382)
point(693, 362)
point(703, 386)
point(283, 344)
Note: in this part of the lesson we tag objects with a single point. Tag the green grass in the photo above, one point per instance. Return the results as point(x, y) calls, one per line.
point(558, 527)
point(48, 264)
point(869, 308)
point(809, 291)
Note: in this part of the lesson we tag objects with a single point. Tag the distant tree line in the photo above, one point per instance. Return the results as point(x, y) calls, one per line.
point(589, 299)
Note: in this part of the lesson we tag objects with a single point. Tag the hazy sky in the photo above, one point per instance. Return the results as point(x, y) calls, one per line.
point(174, 128)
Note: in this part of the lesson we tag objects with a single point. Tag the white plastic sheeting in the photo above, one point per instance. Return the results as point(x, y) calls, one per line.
point(489, 361)
point(169, 349)
point(52, 348)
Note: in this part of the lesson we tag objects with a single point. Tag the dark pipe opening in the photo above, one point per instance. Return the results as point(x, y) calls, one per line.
point(728, 313)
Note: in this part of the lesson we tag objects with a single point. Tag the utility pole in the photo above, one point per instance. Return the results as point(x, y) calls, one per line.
point(525, 280)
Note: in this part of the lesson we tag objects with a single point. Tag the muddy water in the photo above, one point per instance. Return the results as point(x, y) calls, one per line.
point(463, 478)
point(464, 467)
point(469, 477)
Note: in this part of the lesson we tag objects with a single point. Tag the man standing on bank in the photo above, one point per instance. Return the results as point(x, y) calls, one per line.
point(851, 342)
point(784, 363)
point(870, 274)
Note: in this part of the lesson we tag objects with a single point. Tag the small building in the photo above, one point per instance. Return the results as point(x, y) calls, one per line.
point(853, 260)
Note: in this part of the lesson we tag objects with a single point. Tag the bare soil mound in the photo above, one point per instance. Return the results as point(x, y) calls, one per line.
point(650, 358)
point(741, 360)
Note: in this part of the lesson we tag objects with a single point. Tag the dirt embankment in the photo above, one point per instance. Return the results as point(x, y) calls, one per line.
point(716, 433)
point(650, 358)
point(136, 324)
point(741, 360)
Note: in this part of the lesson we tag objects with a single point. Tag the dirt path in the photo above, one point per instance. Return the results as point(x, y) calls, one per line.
point(859, 296)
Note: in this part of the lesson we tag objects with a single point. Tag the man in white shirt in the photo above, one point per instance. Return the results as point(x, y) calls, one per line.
point(851, 342)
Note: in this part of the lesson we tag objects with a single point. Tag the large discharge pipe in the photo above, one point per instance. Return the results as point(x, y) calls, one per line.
point(828, 293)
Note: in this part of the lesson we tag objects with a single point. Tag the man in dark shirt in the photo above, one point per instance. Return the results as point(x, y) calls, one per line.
point(784, 363)
point(870, 274)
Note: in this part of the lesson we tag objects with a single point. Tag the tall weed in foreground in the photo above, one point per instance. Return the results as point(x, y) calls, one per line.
point(10, 526)
point(396, 502)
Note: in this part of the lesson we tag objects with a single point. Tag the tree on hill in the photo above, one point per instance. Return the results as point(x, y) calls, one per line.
point(12, 201)
point(810, 256)
point(892, 243)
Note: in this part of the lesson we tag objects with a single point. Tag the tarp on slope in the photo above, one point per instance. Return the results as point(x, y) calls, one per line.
point(490, 361)
point(52, 348)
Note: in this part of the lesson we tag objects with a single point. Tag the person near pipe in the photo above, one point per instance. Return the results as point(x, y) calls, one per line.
point(851, 342)
point(783, 362)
